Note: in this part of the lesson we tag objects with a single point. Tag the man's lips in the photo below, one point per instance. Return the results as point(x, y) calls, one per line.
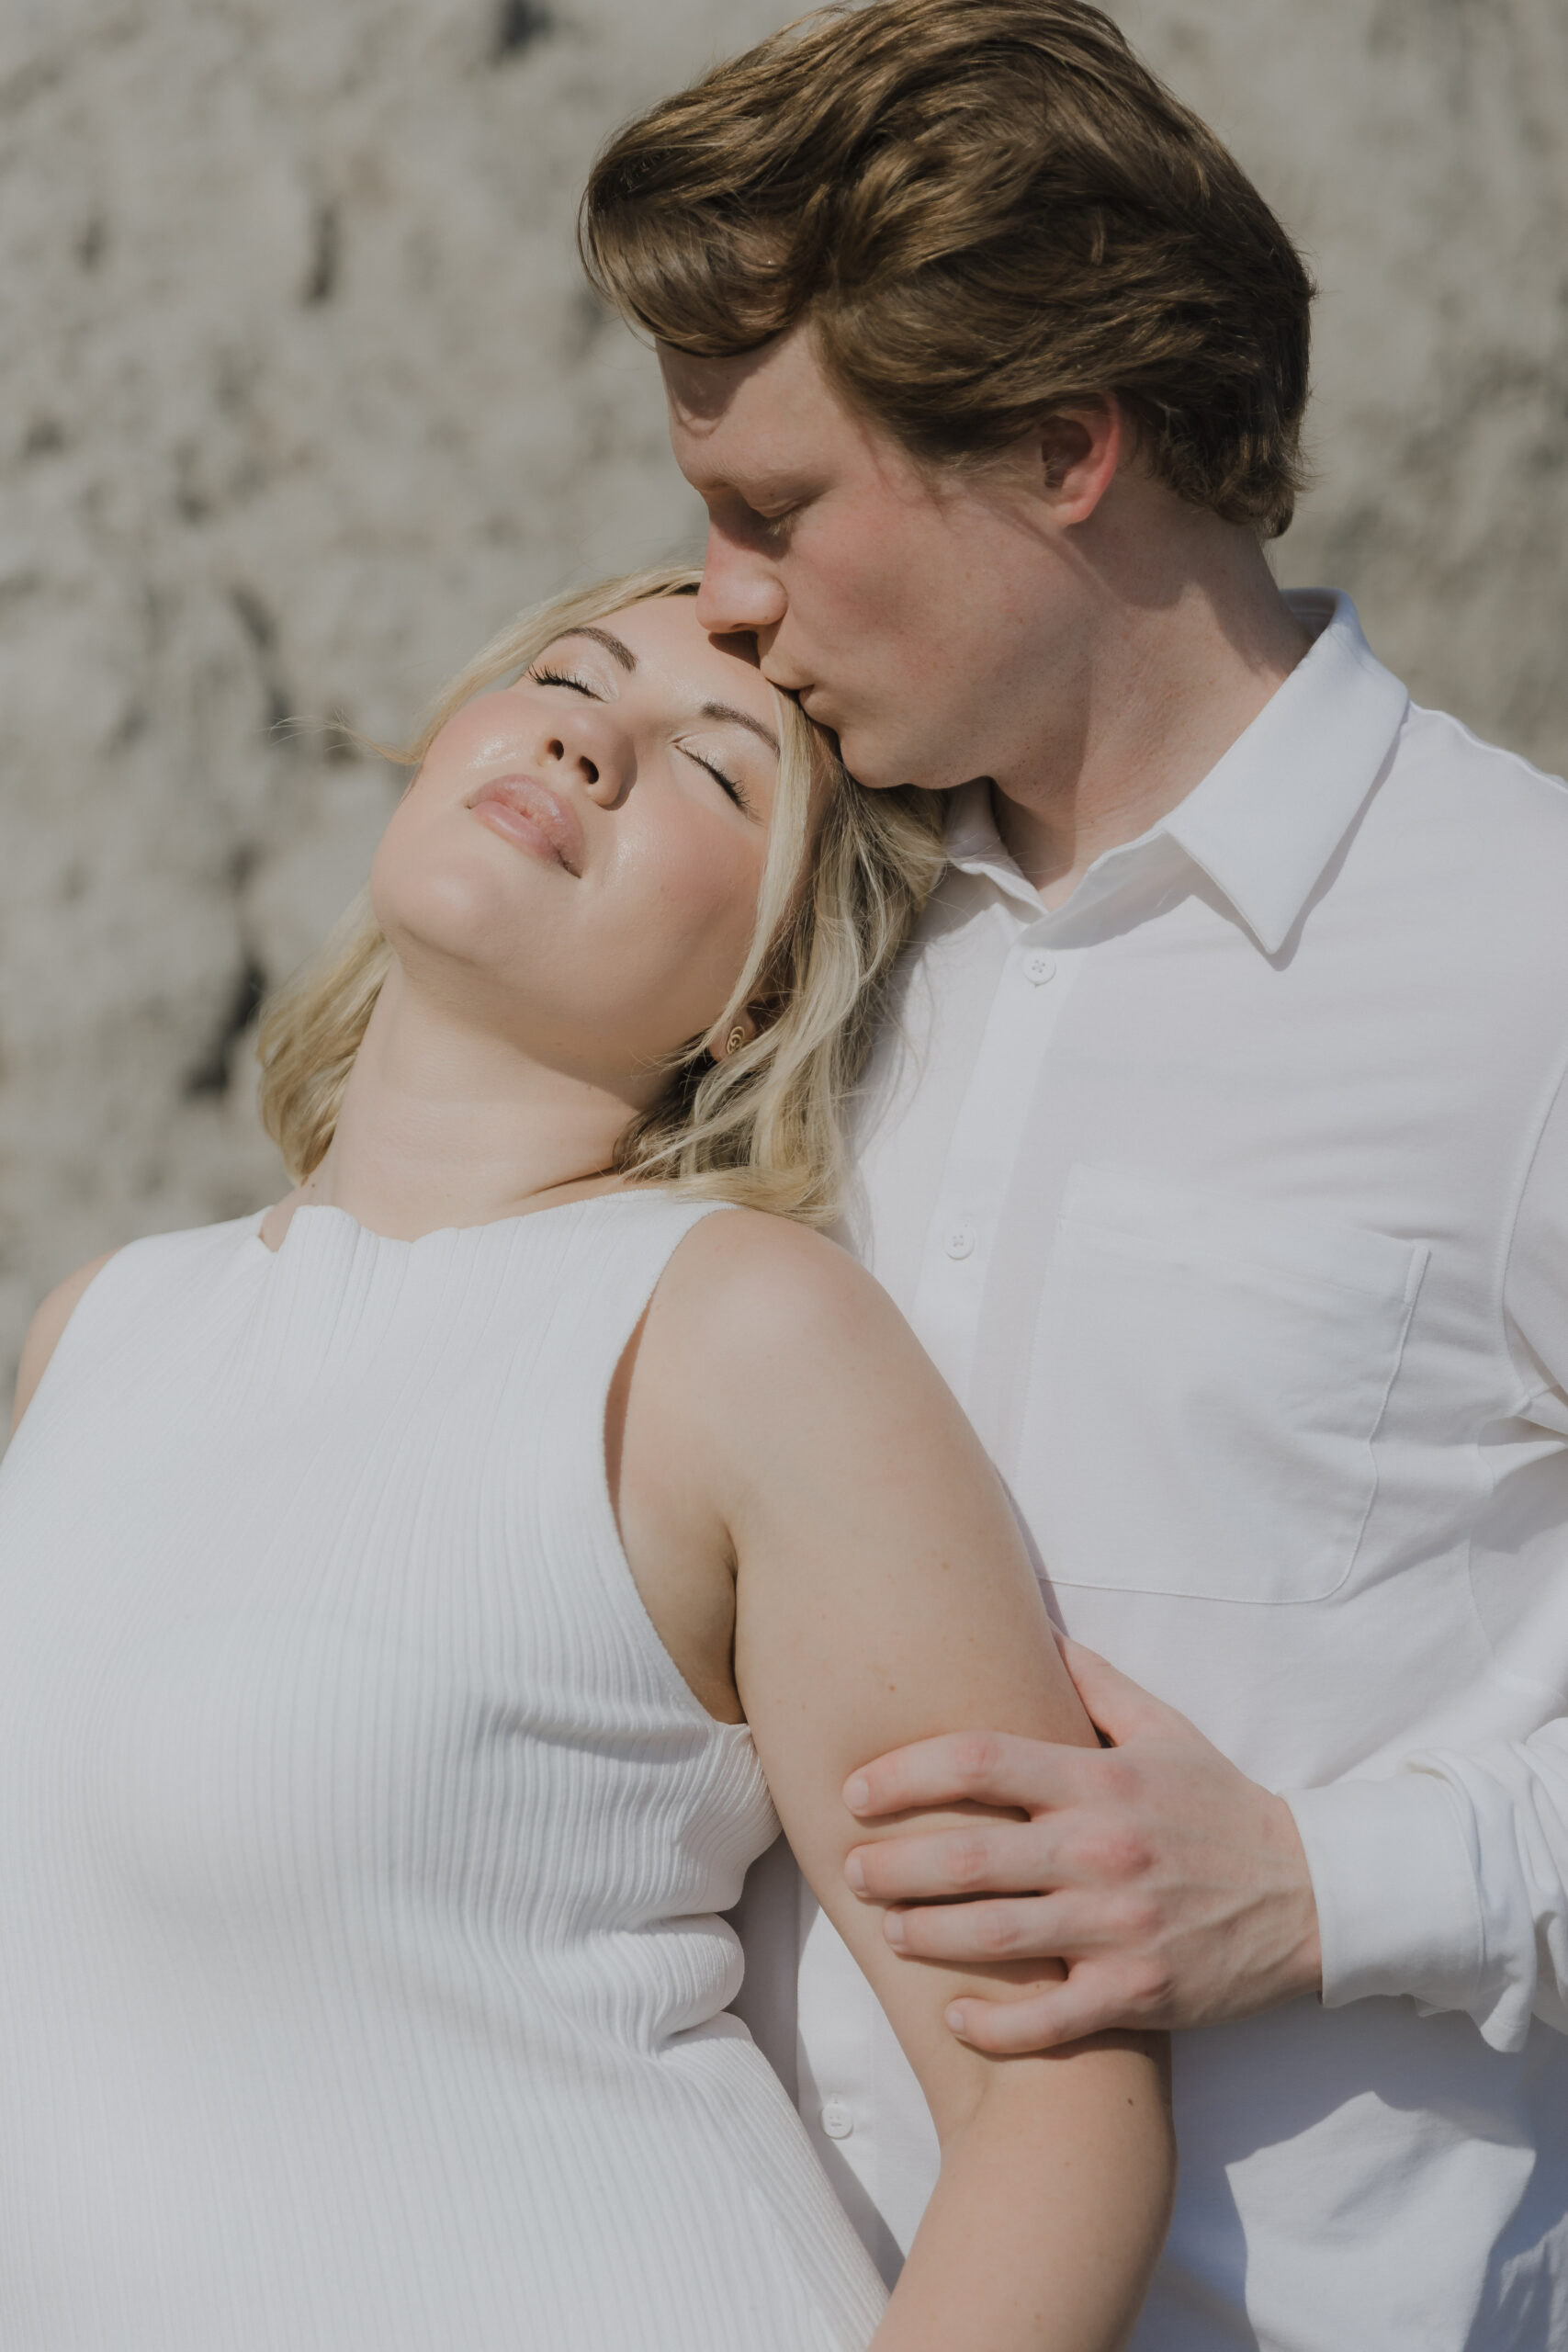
point(521, 809)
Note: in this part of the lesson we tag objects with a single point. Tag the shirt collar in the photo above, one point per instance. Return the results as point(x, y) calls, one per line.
point(1269, 815)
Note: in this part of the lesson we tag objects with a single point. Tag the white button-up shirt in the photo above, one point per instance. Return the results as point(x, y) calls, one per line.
point(1232, 1199)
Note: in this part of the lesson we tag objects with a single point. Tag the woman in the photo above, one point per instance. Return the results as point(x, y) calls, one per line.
point(404, 1594)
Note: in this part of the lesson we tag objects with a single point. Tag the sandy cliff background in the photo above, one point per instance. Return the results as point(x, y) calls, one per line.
point(300, 395)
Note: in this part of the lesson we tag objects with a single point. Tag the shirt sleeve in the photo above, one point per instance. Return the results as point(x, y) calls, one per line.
point(1449, 1882)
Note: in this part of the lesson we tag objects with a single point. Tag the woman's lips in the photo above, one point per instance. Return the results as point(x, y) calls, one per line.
point(521, 809)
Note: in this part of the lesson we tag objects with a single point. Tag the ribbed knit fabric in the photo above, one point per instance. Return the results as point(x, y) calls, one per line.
point(360, 1844)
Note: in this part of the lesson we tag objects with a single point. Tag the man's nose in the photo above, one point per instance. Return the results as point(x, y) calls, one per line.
point(741, 591)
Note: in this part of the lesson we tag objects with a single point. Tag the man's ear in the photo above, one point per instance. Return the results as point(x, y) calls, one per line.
point(1079, 452)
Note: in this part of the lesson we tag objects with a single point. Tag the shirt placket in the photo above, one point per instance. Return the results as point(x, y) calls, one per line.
point(1032, 990)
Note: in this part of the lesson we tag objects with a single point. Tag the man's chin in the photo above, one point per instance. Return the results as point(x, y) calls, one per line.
point(875, 774)
point(868, 765)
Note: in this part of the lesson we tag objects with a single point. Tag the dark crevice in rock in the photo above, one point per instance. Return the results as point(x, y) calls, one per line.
point(321, 284)
point(211, 1074)
point(521, 23)
point(255, 618)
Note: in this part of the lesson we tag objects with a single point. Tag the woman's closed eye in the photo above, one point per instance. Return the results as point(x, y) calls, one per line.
point(543, 677)
point(727, 784)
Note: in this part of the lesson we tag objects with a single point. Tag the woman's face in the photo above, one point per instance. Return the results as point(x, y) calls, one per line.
point(576, 866)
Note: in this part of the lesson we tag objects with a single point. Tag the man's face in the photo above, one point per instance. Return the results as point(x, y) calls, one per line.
point(917, 616)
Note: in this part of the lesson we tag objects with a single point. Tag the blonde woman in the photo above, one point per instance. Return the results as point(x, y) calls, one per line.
point(416, 1599)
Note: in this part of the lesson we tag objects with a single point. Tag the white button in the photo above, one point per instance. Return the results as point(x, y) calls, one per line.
point(960, 1240)
point(1040, 968)
point(836, 2121)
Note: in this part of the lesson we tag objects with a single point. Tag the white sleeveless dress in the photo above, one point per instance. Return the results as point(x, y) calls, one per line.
point(360, 1844)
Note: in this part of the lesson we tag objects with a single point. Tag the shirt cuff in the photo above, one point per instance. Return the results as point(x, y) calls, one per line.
point(1398, 1910)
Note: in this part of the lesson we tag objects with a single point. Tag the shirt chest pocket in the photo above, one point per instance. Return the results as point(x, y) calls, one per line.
point(1207, 1377)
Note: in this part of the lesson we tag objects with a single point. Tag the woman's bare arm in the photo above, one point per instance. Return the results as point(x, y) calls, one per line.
point(883, 1594)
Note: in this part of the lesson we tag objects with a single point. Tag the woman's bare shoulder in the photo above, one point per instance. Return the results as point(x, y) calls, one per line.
point(754, 1307)
point(47, 1326)
point(764, 1277)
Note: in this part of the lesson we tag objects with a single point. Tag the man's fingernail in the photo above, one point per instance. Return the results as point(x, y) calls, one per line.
point(857, 1793)
point(854, 1871)
point(893, 1929)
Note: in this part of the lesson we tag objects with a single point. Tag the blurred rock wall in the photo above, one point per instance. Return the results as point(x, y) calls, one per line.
point(300, 396)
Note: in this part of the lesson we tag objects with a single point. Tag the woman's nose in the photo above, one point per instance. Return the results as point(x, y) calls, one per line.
point(740, 593)
point(594, 754)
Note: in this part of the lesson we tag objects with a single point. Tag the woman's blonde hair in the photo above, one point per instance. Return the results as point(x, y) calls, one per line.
point(762, 1126)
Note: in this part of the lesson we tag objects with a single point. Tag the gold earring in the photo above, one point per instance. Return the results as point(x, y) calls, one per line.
point(735, 1040)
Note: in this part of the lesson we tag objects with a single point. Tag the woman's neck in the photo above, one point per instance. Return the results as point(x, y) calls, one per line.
point(446, 1124)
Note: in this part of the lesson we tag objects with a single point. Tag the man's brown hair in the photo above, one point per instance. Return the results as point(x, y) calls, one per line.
point(989, 210)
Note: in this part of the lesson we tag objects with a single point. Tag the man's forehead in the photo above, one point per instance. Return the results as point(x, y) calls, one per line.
point(768, 410)
point(703, 391)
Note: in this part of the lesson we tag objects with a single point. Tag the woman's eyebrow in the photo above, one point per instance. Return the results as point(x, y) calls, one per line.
point(725, 710)
point(612, 645)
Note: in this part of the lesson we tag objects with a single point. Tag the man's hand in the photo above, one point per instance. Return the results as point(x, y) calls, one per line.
point(1174, 1888)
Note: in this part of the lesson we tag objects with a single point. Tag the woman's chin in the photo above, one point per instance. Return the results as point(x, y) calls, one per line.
point(483, 892)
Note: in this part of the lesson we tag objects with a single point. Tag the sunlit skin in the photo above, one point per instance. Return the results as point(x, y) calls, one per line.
point(1056, 619)
point(1059, 622)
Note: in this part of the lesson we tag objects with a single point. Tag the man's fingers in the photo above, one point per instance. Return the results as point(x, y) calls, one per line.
point(1045, 2020)
point(1114, 1703)
point(934, 1866)
point(982, 1768)
point(1042, 1927)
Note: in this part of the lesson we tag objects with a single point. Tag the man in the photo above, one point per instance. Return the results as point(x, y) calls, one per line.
point(1218, 1151)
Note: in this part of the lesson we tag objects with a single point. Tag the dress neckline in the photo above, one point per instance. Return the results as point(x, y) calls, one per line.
point(330, 1209)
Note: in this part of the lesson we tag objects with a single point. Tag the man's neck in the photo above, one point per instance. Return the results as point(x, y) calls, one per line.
point(1166, 687)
